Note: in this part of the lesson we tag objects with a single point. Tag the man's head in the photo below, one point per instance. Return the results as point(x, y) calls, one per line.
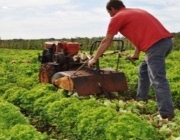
point(113, 6)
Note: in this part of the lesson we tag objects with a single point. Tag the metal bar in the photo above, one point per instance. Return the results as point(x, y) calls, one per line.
point(80, 67)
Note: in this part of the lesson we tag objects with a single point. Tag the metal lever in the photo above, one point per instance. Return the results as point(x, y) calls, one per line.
point(80, 67)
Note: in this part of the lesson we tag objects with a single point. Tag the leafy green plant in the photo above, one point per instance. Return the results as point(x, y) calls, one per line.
point(10, 116)
point(26, 132)
point(13, 95)
point(130, 126)
point(92, 123)
point(28, 98)
point(55, 109)
point(41, 103)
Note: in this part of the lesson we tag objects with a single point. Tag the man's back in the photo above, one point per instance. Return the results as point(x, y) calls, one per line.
point(140, 27)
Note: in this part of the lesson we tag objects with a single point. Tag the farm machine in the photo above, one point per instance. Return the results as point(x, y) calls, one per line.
point(65, 67)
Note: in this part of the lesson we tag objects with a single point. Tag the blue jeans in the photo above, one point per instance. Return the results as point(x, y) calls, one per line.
point(152, 71)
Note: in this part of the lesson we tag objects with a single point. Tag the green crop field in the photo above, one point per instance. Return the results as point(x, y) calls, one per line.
point(30, 110)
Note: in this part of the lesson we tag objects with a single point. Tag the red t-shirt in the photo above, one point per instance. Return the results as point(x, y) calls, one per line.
point(140, 27)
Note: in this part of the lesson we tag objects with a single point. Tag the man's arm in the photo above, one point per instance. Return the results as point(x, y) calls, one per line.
point(136, 54)
point(105, 43)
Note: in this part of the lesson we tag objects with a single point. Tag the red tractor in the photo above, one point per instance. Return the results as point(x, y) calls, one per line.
point(63, 66)
point(58, 56)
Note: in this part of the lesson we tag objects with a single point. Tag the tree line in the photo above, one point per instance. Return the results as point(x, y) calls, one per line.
point(39, 44)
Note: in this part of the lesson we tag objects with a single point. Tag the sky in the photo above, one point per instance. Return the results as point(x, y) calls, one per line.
point(38, 19)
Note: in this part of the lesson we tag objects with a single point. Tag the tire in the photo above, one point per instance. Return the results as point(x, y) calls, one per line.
point(46, 72)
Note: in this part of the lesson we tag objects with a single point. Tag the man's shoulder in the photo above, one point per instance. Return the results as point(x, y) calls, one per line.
point(126, 12)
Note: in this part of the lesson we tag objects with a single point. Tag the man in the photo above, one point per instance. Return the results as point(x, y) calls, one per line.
point(149, 36)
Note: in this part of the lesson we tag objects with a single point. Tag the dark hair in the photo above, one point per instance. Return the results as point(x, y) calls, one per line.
point(116, 4)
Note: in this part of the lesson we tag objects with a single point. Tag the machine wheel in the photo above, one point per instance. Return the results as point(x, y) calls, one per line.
point(46, 72)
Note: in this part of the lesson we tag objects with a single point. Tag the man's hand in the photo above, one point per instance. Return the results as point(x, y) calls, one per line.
point(132, 58)
point(91, 62)
point(135, 56)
